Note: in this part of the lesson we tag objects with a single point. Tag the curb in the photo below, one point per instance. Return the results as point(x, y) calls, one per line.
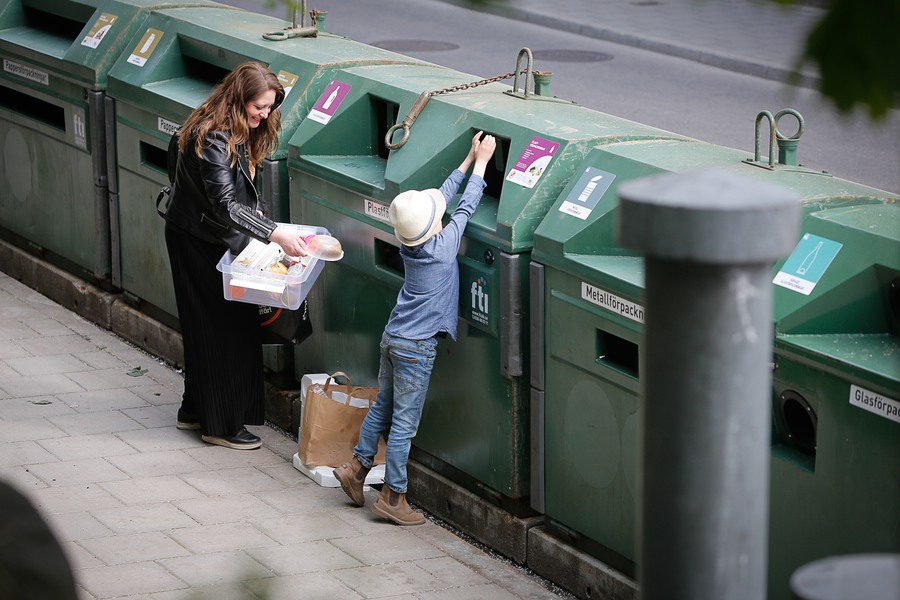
point(721, 61)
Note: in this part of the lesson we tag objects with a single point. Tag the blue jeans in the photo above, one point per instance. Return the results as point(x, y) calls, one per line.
point(402, 384)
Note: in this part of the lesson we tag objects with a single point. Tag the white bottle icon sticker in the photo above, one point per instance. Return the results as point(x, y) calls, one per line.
point(809, 260)
point(331, 98)
point(147, 44)
point(586, 192)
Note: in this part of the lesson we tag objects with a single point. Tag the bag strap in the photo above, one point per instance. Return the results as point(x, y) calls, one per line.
point(164, 193)
point(171, 167)
point(365, 397)
point(331, 378)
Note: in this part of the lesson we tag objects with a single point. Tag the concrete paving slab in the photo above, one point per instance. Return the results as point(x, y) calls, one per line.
point(36, 407)
point(99, 399)
point(73, 498)
point(307, 557)
point(24, 453)
point(229, 508)
point(296, 528)
point(314, 586)
point(156, 463)
point(75, 526)
point(200, 570)
point(222, 537)
point(144, 517)
point(134, 578)
point(98, 422)
point(80, 447)
point(232, 481)
point(386, 580)
point(135, 547)
point(149, 490)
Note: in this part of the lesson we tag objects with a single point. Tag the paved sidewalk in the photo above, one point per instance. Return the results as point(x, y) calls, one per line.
point(755, 37)
point(147, 512)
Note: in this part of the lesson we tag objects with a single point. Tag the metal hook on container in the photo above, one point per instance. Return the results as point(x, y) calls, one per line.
point(294, 31)
point(407, 122)
point(528, 72)
point(787, 146)
point(772, 129)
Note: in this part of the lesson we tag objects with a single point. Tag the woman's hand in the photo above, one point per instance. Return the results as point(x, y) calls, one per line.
point(292, 243)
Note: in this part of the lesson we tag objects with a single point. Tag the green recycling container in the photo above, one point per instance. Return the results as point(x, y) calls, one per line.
point(56, 57)
point(586, 377)
point(170, 67)
point(836, 399)
point(475, 425)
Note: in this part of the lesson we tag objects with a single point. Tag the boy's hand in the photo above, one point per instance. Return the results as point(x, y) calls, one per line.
point(485, 148)
point(483, 153)
point(476, 141)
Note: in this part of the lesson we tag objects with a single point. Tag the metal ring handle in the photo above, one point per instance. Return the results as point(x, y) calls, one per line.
point(390, 134)
point(796, 115)
point(276, 36)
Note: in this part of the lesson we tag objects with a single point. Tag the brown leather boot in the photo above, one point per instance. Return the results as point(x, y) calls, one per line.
point(392, 505)
point(352, 476)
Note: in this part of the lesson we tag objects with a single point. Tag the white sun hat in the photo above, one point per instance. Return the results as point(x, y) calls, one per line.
point(416, 215)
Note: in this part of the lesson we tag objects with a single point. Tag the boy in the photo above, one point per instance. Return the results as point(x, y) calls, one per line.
point(426, 309)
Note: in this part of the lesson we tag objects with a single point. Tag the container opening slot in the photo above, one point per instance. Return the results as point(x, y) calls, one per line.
point(203, 71)
point(155, 158)
point(617, 353)
point(387, 256)
point(33, 108)
point(495, 173)
point(385, 116)
point(799, 421)
point(66, 26)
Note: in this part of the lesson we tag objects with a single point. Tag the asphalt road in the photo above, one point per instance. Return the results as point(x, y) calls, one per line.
point(677, 95)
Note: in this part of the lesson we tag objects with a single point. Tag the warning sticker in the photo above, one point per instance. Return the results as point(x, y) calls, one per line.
point(287, 81)
point(533, 162)
point(99, 30)
point(807, 264)
point(586, 194)
point(329, 101)
point(145, 47)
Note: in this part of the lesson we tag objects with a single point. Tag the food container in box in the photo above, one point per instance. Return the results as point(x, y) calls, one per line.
point(247, 277)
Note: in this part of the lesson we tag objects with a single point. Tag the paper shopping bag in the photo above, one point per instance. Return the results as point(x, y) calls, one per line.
point(332, 416)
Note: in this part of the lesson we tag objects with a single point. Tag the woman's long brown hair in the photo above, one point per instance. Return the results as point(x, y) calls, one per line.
point(224, 110)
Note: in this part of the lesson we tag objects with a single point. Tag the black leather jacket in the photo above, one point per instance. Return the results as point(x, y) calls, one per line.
point(214, 201)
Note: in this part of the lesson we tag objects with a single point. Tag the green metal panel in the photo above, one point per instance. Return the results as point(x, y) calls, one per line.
point(56, 55)
point(195, 48)
point(476, 432)
point(841, 336)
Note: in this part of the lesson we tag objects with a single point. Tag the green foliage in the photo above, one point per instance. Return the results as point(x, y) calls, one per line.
point(855, 48)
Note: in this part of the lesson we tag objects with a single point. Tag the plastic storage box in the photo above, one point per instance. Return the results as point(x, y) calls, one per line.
point(247, 278)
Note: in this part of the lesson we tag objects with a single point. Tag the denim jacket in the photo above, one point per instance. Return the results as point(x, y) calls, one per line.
point(428, 302)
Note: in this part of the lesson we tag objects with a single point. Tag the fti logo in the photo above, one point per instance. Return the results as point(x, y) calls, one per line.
point(480, 301)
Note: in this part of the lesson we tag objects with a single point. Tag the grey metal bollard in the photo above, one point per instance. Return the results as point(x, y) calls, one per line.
point(710, 239)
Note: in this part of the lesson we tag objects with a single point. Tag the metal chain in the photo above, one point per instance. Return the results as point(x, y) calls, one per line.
point(419, 105)
point(466, 86)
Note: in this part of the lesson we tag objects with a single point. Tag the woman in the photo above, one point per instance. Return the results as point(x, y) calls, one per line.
point(214, 207)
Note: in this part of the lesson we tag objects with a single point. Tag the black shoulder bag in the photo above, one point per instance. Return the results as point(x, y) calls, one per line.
point(171, 165)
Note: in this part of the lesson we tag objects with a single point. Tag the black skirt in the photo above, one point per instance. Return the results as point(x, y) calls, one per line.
point(223, 371)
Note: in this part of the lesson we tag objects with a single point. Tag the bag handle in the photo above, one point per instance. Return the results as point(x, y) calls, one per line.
point(336, 384)
point(364, 397)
